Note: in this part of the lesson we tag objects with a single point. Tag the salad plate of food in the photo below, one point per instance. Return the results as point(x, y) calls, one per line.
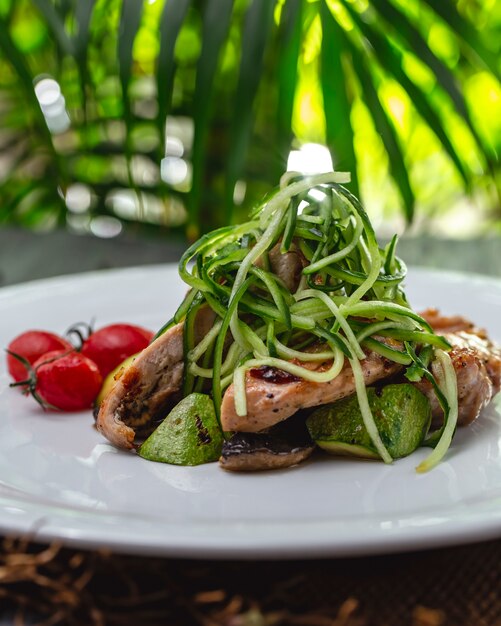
point(303, 394)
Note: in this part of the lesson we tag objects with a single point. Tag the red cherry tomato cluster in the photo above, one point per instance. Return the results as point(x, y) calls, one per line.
point(31, 346)
point(59, 375)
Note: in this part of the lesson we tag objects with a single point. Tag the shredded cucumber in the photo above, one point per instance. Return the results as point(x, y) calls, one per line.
point(347, 299)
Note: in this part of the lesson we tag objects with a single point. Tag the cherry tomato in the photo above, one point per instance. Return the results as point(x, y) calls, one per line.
point(110, 345)
point(31, 345)
point(68, 381)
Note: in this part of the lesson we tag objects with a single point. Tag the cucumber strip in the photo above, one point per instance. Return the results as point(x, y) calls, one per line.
point(276, 294)
point(258, 347)
point(310, 306)
point(202, 346)
point(198, 370)
point(380, 328)
point(311, 219)
point(228, 259)
point(340, 319)
point(389, 353)
point(390, 256)
point(239, 390)
point(288, 353)
point(354, 277)
point(302, 372)
point(363, 402)
point(336, 256)
point(309, 233)
point(448, 385)
point(207, 358)
point(271, 340)
point(218, 350)
point(189, 342)
point(290, 225)
point(332, 338)
point(218, 307)
point(418, 337)
point(374, 308)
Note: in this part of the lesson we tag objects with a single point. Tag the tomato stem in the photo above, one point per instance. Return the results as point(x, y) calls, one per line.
point(30, 384)
point(82, 330)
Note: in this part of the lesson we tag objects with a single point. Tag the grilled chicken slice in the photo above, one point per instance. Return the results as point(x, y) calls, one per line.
point(273, 395)
point(146, 390)
point(476, 360)
point(477, 363)
point(446, 324)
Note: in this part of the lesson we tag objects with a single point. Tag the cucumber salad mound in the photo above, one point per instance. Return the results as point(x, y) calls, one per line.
point(295, 335)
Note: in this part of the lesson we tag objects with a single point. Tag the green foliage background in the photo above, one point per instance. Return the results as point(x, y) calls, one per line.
point(405, 93)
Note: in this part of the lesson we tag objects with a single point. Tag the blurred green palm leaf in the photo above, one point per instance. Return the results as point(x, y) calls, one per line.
point(195, 105)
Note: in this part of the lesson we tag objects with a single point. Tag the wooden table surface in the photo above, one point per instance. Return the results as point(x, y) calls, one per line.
point(53, 585)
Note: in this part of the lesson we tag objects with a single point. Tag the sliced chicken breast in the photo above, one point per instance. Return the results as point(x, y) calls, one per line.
point(146, 390)
point(477, 363)
point(476, 360)
point(446, 324)
point(273, 396)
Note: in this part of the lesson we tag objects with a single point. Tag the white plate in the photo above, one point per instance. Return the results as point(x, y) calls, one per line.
point(59, 479)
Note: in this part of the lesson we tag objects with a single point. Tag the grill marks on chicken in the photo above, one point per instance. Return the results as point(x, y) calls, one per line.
point(143, 389)
point(149, 387)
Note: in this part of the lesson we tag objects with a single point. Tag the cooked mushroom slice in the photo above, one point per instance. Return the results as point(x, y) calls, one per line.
point(251, 452)
point(288, 266)
point(284, 445)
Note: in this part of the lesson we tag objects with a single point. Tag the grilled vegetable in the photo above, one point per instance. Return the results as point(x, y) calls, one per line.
point(401, 412)
point(189, 435)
